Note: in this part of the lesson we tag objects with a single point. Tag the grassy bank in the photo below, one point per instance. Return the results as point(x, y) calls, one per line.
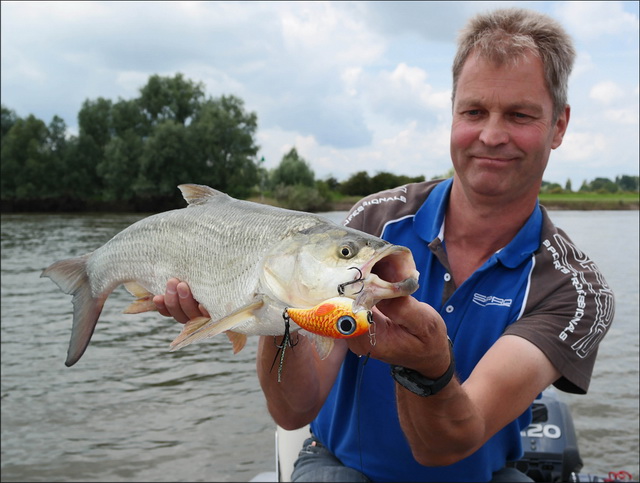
point(555, 201)
point(590, 201)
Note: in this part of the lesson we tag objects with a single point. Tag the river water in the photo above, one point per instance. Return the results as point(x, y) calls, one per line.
point(132, 411)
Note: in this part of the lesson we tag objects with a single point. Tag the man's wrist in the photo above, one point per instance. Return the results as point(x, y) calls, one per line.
point(420, 384)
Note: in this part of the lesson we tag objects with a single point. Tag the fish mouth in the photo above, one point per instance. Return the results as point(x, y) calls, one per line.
point(391, 273)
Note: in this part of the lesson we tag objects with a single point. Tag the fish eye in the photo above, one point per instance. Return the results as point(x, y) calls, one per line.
point(346, 325)
point(347, 251)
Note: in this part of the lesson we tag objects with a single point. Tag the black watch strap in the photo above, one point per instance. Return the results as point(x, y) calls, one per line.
point(421, 385)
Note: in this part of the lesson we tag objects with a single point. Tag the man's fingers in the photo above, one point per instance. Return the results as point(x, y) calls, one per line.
point(178, 302)
point(187, 303)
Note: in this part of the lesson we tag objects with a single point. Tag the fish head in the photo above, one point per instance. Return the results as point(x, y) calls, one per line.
point(327, 260)
point(333, 318)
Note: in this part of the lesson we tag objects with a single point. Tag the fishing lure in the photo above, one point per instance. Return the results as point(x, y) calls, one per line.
point(332, 319)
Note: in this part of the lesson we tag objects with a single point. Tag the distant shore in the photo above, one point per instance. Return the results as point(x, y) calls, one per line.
point(556, 201)
point(569, 201)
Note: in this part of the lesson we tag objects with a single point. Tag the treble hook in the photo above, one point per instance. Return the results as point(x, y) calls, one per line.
point(286, 341)
point(359, 279)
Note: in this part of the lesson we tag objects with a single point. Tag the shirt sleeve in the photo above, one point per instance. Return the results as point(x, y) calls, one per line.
point(568, 311)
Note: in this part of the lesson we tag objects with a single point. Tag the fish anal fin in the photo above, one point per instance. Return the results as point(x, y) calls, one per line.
point(214, 327)
point(237, 339)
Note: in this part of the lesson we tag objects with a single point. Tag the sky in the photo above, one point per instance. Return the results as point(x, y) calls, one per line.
point(353, 86)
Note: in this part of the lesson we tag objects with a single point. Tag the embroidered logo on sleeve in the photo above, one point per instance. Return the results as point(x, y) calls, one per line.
point(484, 300)
point(596, 299)
point(377, 201)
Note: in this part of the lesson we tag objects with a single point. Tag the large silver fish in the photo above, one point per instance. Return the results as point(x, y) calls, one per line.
point(245, 262)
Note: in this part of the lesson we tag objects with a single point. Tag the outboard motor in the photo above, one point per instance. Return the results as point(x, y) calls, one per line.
point(549, 442)
point(551, 446)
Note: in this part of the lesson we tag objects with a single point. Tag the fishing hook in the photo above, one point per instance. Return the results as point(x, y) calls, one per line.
point(286, 341)
point(360, 279)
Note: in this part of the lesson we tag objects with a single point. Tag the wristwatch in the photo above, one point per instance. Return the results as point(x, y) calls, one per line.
point(419, 384)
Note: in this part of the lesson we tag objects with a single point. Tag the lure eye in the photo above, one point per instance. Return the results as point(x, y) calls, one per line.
point(346, 325)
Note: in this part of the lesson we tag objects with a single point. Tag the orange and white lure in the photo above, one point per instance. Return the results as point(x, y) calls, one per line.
point(333, 318)
point(330, 320)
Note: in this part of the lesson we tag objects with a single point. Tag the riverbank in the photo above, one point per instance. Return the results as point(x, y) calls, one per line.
point(551, 202)
point(556, 201)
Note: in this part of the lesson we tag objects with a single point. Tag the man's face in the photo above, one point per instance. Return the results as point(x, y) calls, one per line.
point(503, 128)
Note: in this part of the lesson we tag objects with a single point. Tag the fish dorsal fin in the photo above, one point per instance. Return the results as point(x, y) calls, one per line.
point(198, 194)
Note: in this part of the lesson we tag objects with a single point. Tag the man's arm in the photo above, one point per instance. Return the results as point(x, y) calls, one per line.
point(449, 426)
point(305, 383)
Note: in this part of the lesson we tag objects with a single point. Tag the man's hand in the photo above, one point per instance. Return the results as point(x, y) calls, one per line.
point(408, 333)
point(178, 302)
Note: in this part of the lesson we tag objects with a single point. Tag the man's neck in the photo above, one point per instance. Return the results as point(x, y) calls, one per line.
point(477, 227)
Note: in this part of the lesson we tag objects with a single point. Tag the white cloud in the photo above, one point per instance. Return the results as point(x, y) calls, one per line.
point(581, 146)
point(592, 20)
point(623, 116)
point(404, 94)
point(606, 92)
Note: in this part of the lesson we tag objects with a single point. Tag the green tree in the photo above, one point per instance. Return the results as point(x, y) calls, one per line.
point(293, 170)
point(174, 98)
point(603, 185)
point(166, 162)
point(128, 116)
point(25, 161)
point(121, 165)
point(9, 118)
point(95, 121)
point(627, 183)
point(358, 184)
point(567, 186)
point(222, 136)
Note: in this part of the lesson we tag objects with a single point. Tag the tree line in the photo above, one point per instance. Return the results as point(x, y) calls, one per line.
point(131, 154)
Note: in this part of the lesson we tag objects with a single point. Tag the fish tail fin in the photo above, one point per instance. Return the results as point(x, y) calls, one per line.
point(72, 277)
point(144, 299)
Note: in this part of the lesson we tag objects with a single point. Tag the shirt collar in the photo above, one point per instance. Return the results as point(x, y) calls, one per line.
point(430, 219)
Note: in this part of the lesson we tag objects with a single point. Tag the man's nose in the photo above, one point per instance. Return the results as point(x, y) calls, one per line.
point(494, 132)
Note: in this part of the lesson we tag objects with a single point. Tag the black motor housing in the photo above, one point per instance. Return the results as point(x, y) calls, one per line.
point(549, 442)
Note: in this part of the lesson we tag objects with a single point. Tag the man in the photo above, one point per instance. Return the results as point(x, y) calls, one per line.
point(522, 306)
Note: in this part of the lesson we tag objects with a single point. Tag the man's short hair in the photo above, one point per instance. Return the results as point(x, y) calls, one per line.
point(507, 35)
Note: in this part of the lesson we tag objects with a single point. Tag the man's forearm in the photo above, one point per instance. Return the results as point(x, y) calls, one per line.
point(441, 429)
point(305, 380)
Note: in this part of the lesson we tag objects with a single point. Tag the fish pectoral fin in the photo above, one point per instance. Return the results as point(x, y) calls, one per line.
point(144, 299)
point(237, 339)
point(189, 328)
point(323, 345)
point(212, 328)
